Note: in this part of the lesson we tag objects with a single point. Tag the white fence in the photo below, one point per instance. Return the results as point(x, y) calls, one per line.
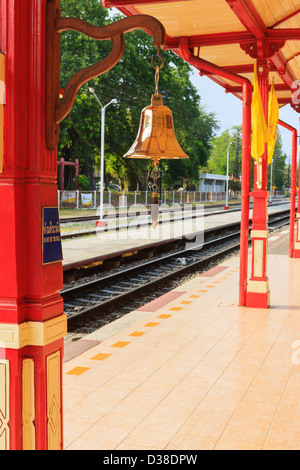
point(91, 199)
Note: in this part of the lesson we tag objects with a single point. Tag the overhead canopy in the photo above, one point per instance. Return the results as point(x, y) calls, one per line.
point(232, 34)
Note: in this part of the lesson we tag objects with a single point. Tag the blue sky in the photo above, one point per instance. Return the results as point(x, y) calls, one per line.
point(228, 109)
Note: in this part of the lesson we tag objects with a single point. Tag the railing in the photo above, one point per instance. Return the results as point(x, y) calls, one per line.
point(91, 199)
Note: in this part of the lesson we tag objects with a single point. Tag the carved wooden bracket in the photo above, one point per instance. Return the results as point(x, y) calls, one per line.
point(56, 109)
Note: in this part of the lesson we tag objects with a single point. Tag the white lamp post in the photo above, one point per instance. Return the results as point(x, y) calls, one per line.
point(227, 177)
point(101, 222)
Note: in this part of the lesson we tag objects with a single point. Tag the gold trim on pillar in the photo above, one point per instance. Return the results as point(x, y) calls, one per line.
point(54, 401)
point(28, 404)
point(33, 333)
point(4, 405)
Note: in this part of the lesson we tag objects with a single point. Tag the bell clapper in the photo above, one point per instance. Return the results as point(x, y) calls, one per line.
point(156, 138)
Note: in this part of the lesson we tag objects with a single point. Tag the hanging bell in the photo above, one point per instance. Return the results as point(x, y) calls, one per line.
point(156, 139)
point(156, 136)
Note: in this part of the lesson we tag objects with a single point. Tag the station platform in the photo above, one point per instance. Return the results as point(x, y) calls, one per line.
point(82, 251)
point(192, 370)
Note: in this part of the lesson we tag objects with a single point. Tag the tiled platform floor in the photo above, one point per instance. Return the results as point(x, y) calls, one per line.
point(193, 371)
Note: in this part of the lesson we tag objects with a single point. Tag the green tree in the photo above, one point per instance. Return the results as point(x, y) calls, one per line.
point(131, 82)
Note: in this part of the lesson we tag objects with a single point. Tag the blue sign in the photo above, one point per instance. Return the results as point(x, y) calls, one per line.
point(52, 248)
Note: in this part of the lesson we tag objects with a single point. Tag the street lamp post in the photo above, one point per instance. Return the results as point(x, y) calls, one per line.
point(227, 177)
point(101, 222)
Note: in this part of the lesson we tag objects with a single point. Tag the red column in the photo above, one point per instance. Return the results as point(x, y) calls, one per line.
point(76, 173)
point(246, 174)
point(32, 324)
point(297, 243)
point(258, 287)
point(293, 186)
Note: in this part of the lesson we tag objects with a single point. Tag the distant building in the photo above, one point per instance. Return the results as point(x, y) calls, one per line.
point(209, 182)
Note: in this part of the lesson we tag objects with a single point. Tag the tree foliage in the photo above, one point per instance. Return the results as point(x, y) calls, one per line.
point(131, 82)
point(217, 162)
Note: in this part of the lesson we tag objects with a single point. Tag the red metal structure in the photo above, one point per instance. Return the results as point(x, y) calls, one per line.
point(31, 310)
point(297, 242)
point(293, 186)
point(62, 163)
point(209, 36)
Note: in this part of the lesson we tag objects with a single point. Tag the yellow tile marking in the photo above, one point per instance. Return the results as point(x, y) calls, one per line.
point(186, 302)
point(101, 356)
point(78, 370)
point(194, 296)
point(175, 309)
point(210, 286)
point(202, 291)
point(137, 333)
point(152, 324)
point(164, 315)
point(120, 344)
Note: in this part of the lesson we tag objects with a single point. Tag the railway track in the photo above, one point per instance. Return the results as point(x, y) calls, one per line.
point(64, 220)
point(112, 290)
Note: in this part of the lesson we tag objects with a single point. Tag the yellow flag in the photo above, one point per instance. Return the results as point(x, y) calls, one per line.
point(260, 131)
point(273, 122)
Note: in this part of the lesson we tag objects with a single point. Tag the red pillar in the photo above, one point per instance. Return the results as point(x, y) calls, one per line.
point(76, 173)
point(32, 323)
point(258, 287)
point(293, 186)
point(62, 174)
point(202, 65)
point(245, 189)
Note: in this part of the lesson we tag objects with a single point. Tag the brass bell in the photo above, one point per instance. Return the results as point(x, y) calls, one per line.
point(156, 139)
point(156, 136)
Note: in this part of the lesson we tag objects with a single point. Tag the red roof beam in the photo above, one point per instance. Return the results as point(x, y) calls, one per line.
point(286, 34)
point(284, 100)
point(282, 66)
point(249, 17)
